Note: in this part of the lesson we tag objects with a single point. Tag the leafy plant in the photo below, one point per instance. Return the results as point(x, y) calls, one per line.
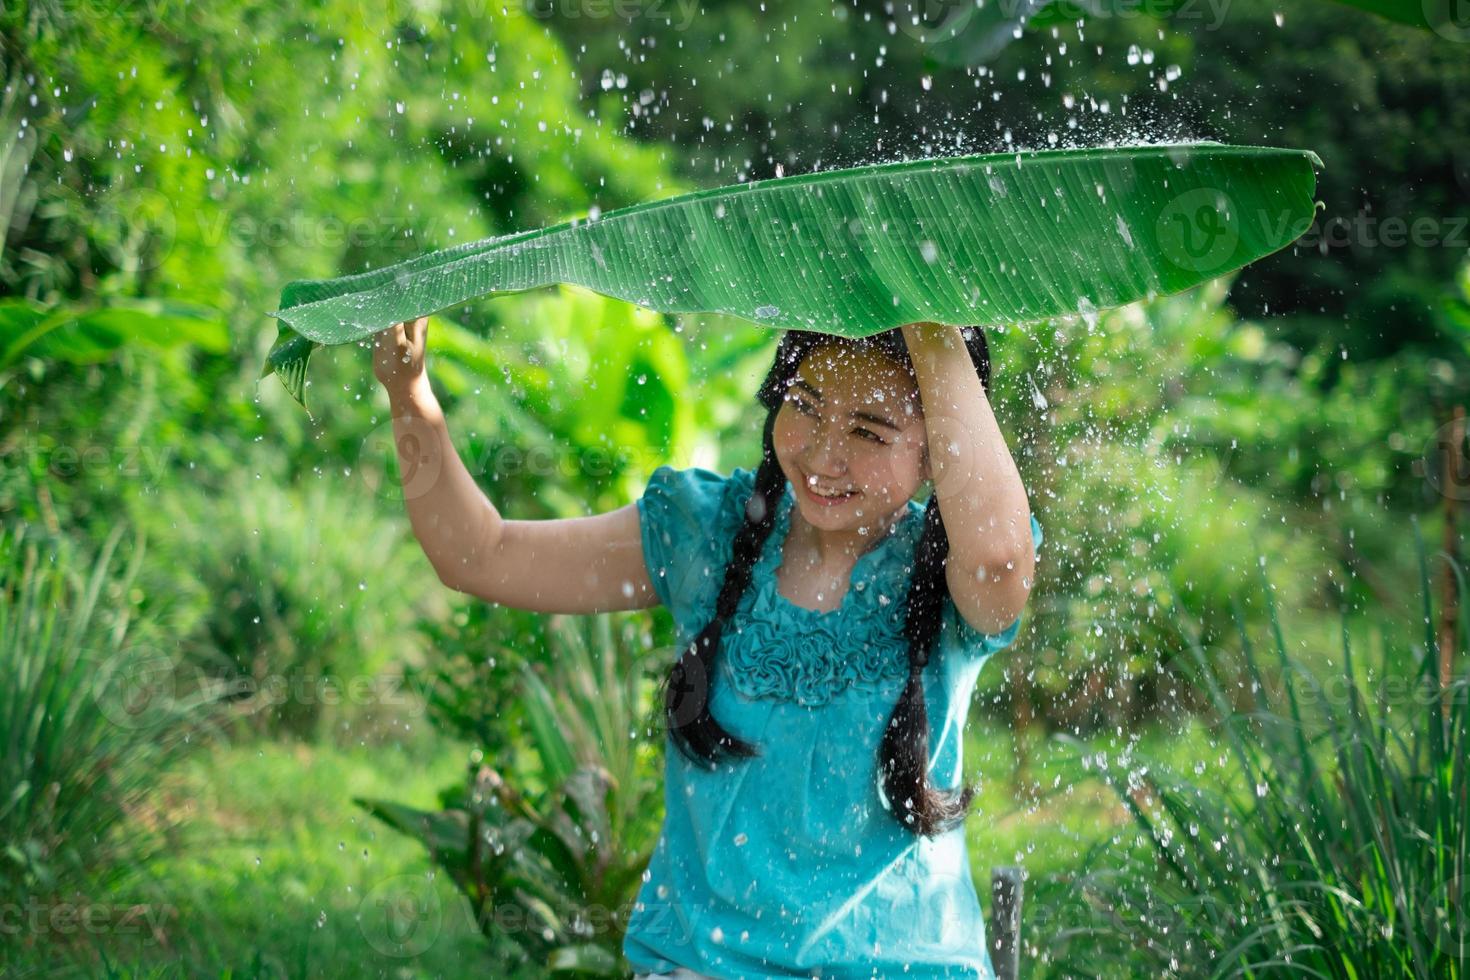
point(1004, 238)
point(293, 597)
point(88, 721)
point(554, 867)
point(1338, 843)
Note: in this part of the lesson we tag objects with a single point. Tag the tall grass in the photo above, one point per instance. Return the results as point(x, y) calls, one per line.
point(1336, 843)
point(88, 724)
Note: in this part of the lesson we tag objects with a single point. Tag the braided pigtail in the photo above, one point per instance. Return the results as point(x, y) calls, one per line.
point(686, 692)
point(904, 751)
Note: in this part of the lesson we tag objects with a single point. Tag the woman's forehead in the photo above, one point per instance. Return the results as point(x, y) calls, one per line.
point(847, 373)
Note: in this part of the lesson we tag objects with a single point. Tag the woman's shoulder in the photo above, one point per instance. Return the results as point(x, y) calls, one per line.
point(688, 517)
point(697, 486)
point(694, 505)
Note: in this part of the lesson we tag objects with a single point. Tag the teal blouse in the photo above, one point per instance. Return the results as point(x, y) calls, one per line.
point(788, 864)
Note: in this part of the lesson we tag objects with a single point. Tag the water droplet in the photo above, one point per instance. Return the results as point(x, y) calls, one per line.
point(1088, 309)
point(1125, 231)
point(1038, 400)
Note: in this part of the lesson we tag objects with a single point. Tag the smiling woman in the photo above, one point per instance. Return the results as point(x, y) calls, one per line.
point(855, 483)
point(813, 812)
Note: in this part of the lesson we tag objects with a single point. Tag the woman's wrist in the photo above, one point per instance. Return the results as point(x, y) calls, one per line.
point(412, 396)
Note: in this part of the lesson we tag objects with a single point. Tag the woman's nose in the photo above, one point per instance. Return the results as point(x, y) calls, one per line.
point(826, 455)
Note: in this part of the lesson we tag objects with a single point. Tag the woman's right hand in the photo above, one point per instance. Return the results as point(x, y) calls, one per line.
point(398, 354)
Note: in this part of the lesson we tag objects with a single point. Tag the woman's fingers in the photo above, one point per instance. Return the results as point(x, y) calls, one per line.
point(398, 351)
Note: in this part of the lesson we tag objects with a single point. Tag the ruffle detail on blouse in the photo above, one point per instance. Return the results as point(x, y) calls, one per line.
point(777, 649)
point(813, 668)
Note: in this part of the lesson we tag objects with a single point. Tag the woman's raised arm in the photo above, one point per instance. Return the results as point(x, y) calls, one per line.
point(577, 565)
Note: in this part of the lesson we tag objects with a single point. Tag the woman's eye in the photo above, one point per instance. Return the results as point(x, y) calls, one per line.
point(803, 407)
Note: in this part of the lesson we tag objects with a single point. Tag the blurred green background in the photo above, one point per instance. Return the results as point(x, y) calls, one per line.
point(231, 681)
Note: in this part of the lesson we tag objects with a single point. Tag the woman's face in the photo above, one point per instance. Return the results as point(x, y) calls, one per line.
point(852, 423)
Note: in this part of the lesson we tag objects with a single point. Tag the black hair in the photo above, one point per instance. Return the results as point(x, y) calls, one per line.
point(903, 752)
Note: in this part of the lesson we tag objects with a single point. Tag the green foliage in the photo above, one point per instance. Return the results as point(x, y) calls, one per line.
point(296, 598)
point(67, 336)
point(977, 38)
point(167, 168)
point(89, 721)
point(1177, 439)
point(1334, 839)
point(583, 388)
point(549, 853)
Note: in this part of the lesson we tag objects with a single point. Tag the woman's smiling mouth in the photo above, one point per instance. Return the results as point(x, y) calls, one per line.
point(824, 498)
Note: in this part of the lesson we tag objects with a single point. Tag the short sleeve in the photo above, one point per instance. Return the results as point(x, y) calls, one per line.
point(958, 636)
point(681, 516)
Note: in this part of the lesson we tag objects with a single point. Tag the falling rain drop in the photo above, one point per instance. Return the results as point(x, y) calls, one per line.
point(1038, 400)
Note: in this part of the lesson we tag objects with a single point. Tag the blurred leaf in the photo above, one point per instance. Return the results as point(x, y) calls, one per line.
point(971, 33)
point(91, 336)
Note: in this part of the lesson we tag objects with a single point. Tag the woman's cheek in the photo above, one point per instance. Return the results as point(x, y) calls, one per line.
point(785, 436)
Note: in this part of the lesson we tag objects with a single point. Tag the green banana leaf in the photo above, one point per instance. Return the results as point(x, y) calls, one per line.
point(996, 239)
